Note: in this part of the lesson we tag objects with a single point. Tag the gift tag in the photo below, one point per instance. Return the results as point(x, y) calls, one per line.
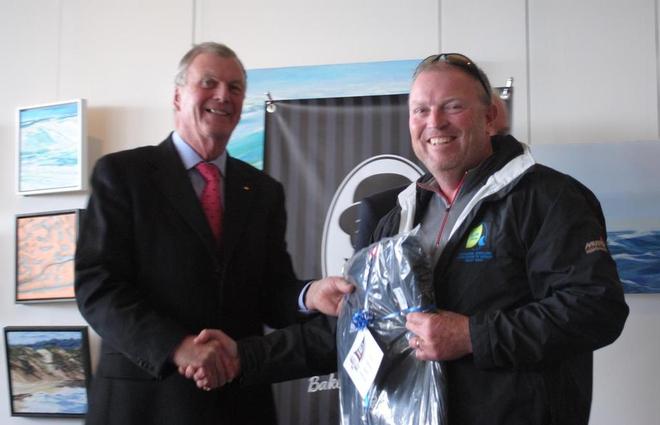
point(363, 361)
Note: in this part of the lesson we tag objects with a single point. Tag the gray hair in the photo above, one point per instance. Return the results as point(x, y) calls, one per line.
point(217, 49)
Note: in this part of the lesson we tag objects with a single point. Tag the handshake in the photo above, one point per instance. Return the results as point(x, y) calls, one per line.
point(211, 358)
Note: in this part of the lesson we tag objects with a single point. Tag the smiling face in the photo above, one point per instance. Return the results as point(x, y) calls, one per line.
point(208, 105)
point(449, 123)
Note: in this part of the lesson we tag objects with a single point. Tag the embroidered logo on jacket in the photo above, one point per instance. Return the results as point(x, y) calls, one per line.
point(593, 246)
point(475, 250)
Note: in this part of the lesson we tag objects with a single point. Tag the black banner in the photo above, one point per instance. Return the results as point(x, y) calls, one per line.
point(330, 153)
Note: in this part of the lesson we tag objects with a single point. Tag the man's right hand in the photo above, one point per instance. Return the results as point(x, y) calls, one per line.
point(211, 360)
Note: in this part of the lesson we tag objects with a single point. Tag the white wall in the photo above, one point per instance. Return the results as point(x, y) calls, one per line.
point(583, 72)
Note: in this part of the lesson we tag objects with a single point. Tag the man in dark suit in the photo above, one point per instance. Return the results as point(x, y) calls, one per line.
point(154, 267)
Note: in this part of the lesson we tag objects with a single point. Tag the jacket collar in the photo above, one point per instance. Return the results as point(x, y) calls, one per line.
point(497, 174)
point(171, 178)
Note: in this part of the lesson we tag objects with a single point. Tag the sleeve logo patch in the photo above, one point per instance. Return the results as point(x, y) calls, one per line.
point(597, 245)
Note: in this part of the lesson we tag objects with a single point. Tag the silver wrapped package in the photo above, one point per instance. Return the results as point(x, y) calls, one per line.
point(392, 278)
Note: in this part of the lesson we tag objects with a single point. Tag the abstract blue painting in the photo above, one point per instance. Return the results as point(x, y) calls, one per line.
point(51, 152)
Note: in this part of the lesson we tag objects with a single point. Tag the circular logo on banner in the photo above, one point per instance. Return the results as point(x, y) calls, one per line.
point(371, 176)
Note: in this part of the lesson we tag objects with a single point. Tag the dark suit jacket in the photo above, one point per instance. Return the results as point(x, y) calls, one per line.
point(148, 273)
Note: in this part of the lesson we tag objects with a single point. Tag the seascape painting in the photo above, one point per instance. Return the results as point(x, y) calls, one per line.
point(51, 148)
point(624, 177)
point(45, 249)
point(48, 370)
point(310, 82)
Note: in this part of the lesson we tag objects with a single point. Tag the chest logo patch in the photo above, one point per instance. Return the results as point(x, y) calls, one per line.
point(476, 246)
point(476, 237)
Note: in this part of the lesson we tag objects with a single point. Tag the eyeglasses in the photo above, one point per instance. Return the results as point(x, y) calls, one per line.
point(460, 61)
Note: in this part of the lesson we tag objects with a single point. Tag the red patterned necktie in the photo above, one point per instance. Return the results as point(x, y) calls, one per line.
point(210, 198)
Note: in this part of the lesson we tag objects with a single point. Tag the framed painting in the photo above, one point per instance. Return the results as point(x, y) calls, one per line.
point(45, 250)
point(48, 370)
point(51, 148)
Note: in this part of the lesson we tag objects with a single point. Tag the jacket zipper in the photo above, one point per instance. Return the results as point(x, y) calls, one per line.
point(450, 203)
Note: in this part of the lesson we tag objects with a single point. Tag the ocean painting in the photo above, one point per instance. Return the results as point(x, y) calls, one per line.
point(310, 82)
point(48, 370)
point(51, 148)
point(624, 177)
point(637, 255)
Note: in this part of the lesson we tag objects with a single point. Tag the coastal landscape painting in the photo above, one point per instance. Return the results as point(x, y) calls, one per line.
point(48, 370)
point(51, 151)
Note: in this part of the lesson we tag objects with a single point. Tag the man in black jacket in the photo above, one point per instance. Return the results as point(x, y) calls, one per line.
point(524, 282)
point(525, 286)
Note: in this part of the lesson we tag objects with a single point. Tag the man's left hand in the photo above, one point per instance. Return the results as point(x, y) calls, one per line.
point(326, 295)
point(442, 335)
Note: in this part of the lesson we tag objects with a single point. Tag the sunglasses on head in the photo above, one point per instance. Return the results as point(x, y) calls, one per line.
point(462, 62)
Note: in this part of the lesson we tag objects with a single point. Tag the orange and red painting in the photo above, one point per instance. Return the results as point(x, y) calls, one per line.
point(45, 248)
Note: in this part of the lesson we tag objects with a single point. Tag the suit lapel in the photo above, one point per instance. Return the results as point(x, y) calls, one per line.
point(239, 193)
point(171, 178)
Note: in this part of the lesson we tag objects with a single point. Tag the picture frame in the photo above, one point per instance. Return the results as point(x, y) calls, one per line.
point(45, 251)
point(51, 152)
point(48, 368)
